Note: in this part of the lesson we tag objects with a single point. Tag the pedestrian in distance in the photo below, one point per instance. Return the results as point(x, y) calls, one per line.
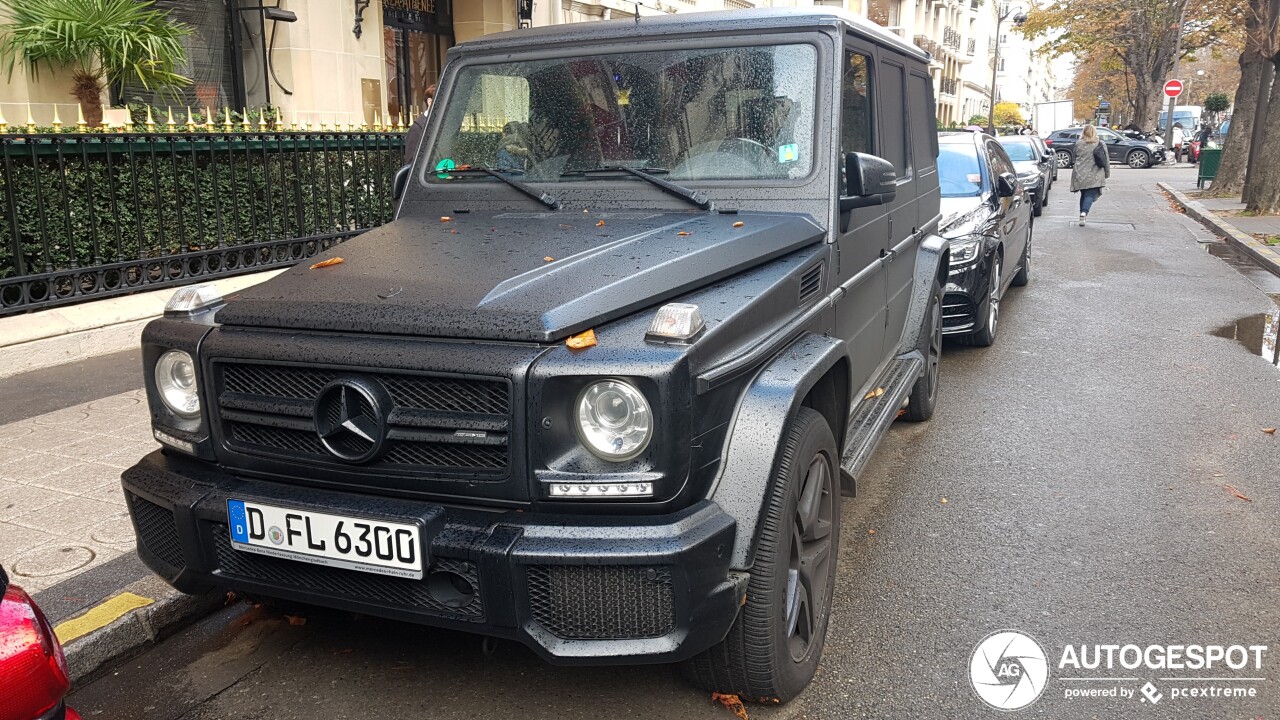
point(1090, 170)
point(1202, 137)
point(1178, 139)
point(419, 127)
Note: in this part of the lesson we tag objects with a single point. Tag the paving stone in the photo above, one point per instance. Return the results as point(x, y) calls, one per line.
point(110, 492)
point(43, 438)
point(15, 540)
point(36, 466)
point(124, 401)
point(17, 499)
point(62, 418)
point(78, 479)
point(70, 517)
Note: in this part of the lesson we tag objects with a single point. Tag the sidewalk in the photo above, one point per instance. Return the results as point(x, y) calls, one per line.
point(1222, 216)
point(65, 535)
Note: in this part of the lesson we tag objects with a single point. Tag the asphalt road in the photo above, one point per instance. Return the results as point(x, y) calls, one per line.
point(1076, 485)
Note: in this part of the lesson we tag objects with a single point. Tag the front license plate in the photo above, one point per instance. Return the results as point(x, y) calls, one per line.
point(362, 544)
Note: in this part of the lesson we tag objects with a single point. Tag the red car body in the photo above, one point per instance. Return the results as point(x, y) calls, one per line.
point(33, 669)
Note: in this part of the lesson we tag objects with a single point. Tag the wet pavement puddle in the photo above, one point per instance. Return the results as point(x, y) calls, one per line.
point(1263, 279)
point(1258, 333)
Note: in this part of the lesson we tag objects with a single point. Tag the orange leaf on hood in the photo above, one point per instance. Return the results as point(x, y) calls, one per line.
point(327, 263)
point(582, 340)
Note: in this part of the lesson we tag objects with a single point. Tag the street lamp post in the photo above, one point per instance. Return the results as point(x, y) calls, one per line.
point(1003, 14)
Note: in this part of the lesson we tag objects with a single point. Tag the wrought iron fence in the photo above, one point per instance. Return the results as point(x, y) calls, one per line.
point(88, 215)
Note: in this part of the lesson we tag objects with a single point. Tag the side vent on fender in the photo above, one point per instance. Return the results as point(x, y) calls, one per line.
point(811, 282)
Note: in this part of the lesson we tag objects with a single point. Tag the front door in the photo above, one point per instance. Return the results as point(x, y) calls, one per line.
point(863, 232)
point(414, 43)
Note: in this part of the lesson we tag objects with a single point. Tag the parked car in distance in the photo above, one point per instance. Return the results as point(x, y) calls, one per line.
point(33, 669)
point(986, 214)
point(601, 396)
point(1034, 167)
point(1129, 151)
point(1220, 135)
point(1044, 149)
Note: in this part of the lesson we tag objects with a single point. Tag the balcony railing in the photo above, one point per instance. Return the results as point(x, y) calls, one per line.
point(973, 47)
point(89, 215)
point(949, 86)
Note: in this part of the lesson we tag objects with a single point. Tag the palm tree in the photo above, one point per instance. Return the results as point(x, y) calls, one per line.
point(100, 41)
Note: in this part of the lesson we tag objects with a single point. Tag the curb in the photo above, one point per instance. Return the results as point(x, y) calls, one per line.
point(70, 333)
point(132, 632)
point(1260, 253)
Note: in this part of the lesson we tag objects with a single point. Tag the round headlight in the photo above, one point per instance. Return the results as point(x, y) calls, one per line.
point(614, 420)
point(176, 383)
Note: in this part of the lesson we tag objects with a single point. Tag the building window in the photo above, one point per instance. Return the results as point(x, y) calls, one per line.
point(416, 35)
point(209, 56)
point(1001, 64)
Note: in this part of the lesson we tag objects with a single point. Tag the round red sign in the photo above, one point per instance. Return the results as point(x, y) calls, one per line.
point(1173, 88)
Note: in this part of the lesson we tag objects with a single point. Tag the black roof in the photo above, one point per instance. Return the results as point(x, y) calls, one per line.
point(727, 21)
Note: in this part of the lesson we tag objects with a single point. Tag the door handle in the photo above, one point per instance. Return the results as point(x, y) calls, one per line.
point(887, 255)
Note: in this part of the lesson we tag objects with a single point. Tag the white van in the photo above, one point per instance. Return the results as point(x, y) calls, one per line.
point(1188, 115)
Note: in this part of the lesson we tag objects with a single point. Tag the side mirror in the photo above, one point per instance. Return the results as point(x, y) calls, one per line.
point(401, 182)
point(1006, 185)
point(1047, 156)
point(869, 180)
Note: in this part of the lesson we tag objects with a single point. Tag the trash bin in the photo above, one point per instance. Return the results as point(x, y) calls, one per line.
point(1210, 159)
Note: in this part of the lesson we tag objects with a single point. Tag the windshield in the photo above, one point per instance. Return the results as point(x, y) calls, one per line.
point(726, 113)
point(958, 171)
point(1019, 151)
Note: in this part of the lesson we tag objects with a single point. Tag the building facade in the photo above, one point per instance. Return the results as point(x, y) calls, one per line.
point(1024, 76)
point(357, 61)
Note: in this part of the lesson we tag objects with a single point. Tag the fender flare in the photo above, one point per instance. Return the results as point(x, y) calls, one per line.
point(932, 262)
point(756, 436)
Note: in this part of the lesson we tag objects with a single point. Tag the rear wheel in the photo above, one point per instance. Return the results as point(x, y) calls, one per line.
point(924, 394)
point(772, 650)
point(1064, 158)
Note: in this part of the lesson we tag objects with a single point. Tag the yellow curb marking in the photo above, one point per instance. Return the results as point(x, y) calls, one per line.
point(100, 616)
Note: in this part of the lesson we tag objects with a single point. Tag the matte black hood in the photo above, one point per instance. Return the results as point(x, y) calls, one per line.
point(515, 276)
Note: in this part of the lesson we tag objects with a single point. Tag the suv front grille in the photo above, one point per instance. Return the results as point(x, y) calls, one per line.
point(602, 602)
point(437, 424)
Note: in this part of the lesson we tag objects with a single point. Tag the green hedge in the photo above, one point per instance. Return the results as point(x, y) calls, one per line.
point(167, 201)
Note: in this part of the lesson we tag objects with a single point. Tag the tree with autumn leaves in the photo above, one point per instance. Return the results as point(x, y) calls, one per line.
point(1129, 48)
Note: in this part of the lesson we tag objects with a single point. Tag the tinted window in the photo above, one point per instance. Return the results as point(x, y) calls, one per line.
point(959, 173)
point(923, 137)
point(893, 111)
point(855, 88)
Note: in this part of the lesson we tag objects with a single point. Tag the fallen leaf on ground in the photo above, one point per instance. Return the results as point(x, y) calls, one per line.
point(1237, 493)
point(739, 224)
point(944, 501)
point(871, 532)
point(445, 218)
point(547, 259)
point(453, 232)
point(582, 340)
point(732, 703)
point(600, 223)
point(296, 619)
point(874, 394)
point(327, 263)
point(683, 233)
point(901, 412)
point(231, 598)
point(1269, 431)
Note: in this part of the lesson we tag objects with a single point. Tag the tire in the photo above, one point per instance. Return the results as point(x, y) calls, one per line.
point(924, 394)
point(1037, 207)
point(986, 337)
point(1023, 276)
point(766, 656)
point(1048, 185)
point(1063, 158)
point(1138, 159)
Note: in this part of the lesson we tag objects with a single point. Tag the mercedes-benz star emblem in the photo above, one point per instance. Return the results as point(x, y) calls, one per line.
point(351, 419)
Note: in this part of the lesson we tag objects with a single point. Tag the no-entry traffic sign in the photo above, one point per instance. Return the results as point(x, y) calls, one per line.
point(1173, 88)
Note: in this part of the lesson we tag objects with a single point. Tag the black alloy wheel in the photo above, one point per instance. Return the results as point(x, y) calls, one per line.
point(772, 651)
point(986, 337)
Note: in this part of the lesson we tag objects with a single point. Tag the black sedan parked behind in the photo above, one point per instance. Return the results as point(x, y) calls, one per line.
point(986, 213)
point(1034, 167)
point(1125, 150)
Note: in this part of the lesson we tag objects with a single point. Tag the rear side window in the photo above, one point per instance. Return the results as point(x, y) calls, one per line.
point(893, 113)
point(855, 89)
point(923, 137)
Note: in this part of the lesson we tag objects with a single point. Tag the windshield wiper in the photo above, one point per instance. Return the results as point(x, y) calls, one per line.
point(692, 196)
point(542, 197)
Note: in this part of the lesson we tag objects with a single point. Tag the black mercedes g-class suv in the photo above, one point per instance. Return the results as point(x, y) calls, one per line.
point(653, 293)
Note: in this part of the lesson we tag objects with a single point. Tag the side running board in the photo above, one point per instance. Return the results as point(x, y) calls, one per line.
point(872, 416)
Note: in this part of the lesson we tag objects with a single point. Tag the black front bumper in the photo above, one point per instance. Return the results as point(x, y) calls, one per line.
point(578, 589)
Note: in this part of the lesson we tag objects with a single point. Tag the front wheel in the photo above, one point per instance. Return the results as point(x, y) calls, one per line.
point(1023, 276)
point(924, 394)
point(986, 337)
point(772, 650)
point(1138, 159)
point(1037, 207)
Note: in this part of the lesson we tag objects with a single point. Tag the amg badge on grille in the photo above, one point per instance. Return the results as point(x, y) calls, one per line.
point(351, 418)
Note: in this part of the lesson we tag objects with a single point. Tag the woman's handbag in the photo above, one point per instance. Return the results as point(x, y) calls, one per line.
point(1099, 156)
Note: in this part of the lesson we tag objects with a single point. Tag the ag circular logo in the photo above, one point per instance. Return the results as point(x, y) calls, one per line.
point(1008, 670)
point(351, 418)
